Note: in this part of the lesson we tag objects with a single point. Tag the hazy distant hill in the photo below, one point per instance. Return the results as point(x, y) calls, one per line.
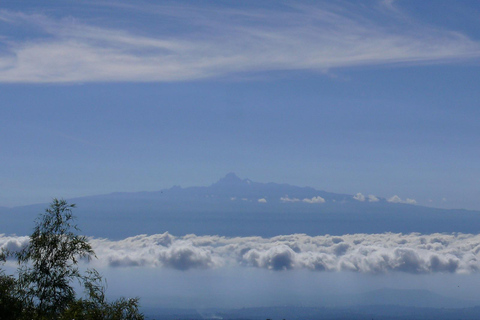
point(378, 304)
point(385, 312)
point(241, 207)
point(398, 297)
point(396, 310)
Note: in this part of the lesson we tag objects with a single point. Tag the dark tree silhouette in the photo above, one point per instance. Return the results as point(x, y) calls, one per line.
point(48, 265)
point(48, 268)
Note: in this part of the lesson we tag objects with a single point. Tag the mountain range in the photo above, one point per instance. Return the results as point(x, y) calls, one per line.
point(241, 207)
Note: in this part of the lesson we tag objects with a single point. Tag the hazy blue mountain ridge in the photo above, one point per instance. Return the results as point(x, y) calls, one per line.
point(231, 207)
point(384, 303)
point(364, 312)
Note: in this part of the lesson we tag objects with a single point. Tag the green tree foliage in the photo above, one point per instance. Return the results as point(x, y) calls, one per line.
point(48, 265)
point(48, 268)
point(10, 303)
point(96, 307)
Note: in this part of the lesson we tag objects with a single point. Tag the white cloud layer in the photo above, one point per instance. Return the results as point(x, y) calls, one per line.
point(219, 42)
point(363, 253)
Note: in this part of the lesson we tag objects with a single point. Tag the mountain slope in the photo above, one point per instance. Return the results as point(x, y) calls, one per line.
point(241, 207)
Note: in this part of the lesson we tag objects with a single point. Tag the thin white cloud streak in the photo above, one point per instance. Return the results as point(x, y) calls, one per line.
point(316, 199)
point(362, 253)
point(221, 42)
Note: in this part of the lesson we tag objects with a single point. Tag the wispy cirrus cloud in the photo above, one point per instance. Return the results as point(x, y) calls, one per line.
point(218, 43)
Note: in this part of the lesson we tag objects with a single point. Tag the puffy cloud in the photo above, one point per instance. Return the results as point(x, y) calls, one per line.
point(359, 197)
point(161, 250)
point(287, 199)
point(397, 199)
point(184, 257)
point(13, 243)
point(262, 200)
point(371, 198)
point(411, 201)
point(364, 253)
point(317, 199)
point(280, 257)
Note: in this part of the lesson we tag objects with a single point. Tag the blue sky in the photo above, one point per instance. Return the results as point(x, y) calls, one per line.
point(378, 97)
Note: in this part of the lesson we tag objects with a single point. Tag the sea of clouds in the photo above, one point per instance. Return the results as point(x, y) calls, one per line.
point(361, 253)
